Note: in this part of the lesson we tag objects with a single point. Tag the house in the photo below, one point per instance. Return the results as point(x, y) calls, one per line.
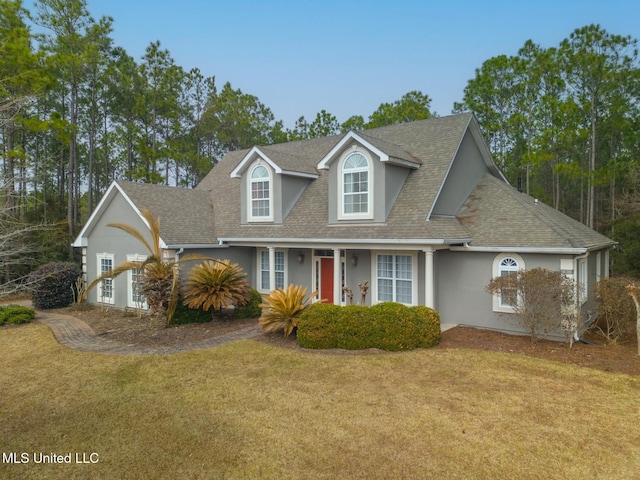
point(418, 210)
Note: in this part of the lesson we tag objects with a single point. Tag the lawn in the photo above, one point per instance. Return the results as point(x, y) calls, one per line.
point(253, 410)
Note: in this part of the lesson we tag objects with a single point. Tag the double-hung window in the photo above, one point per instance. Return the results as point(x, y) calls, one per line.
point(394, 278)
point(264, 271)
point(260, 195)
point(105, 287)
point(356, 186)
point(135, 299)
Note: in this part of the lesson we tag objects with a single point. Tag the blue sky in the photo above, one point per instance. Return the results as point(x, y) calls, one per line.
point(347, 57)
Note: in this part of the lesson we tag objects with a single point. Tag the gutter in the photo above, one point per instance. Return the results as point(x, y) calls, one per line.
point(555, 250)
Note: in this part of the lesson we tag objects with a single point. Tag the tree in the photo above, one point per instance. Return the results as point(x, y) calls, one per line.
point(20, 83)
point(413, 106)
point(355, 123)
point(324, 125)
point(595, 64)
point(71, 46)
point(234, 120)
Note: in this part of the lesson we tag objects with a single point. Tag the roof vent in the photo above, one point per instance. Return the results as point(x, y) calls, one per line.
point(535, 201)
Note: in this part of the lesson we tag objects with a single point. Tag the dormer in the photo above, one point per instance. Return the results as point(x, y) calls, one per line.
point(365, 177)
point(269, 190)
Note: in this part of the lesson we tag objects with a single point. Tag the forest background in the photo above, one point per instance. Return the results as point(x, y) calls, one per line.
point(77, 111)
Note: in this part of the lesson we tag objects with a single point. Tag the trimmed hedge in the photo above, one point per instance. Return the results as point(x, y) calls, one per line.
point(54, 285)
point(16, 314)
point(388, 326)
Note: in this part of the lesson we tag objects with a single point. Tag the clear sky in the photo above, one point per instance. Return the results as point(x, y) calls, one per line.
point(349, 56)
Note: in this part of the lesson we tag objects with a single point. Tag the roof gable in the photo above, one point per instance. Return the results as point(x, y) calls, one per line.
point(186, 215)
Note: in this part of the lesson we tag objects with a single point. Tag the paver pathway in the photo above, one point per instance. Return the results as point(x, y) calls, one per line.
point(74, 333)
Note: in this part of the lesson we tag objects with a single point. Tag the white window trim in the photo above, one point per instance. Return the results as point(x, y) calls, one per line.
point(355, 216)
point(285, 252)
point(497, 300)
point(414, 275)
point(583, 280)
point(100, 296)
point(250, 216)
point(130, 301)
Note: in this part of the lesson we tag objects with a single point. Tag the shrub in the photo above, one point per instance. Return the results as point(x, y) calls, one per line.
point(545, 300)
point(16, 314)
point(184, 314)
point(616, 311)
point(282, 309)
point(53, 285)
point(251, 308)
point(388, 326)
point(317, 327)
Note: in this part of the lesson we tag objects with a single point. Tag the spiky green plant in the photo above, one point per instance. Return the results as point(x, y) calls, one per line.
point(159, 276)
point(216, 285)
point(281, 309)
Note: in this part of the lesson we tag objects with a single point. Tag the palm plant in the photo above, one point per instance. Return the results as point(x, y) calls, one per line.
point(159, 276)
point(282, 308)
point(216, 285)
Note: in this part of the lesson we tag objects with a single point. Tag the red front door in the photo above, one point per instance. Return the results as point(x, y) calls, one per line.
point(326, 279)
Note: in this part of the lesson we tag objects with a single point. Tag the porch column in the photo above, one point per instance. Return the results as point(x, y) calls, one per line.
point(272, 268)
point(429, 296)
point(337, 277)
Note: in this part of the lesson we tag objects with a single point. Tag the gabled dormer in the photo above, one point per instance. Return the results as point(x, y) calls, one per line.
point(270, 184)
point(365, 177)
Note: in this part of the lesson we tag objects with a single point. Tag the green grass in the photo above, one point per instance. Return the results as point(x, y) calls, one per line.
point(251, 410)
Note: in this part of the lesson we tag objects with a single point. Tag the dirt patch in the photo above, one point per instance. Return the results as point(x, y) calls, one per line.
point(112, 324)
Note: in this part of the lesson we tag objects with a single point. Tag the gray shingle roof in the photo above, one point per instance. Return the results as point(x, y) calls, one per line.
point(433, 143)
point(185, 214)
point(494, 215)
point(497, 215)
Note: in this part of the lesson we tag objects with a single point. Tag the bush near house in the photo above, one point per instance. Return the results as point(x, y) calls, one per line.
point(184, 314)
point(282, 308)
point(616, 310)
point(388, 326)
point(54, 285)
point(251, 308)
point(16, 314)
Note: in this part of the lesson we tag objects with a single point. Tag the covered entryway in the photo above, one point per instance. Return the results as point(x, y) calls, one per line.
point(329, 271)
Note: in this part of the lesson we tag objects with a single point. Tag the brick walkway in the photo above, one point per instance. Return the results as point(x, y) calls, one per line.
point(74, 333)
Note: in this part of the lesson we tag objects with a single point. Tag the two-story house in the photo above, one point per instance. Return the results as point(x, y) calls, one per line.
point(419, 211)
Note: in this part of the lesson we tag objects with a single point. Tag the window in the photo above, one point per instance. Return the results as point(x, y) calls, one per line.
point(264, 270)
point(394, 278)
point(356, 187)
point(105, 287)
point(503, 266)
point(583, 280)
point(260, 194)
point(134, 298)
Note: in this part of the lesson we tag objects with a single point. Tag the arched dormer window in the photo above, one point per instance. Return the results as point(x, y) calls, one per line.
point(260, 194)
point(505, 265)
point(355, 182)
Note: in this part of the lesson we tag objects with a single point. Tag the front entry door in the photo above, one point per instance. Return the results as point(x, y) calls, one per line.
point(326, 279)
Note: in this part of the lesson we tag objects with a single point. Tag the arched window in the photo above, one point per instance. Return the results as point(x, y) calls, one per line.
point(503, 266)
point(260, 193)
point(356, 186)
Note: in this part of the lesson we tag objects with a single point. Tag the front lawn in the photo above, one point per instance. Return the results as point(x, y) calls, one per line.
point(253, 410)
